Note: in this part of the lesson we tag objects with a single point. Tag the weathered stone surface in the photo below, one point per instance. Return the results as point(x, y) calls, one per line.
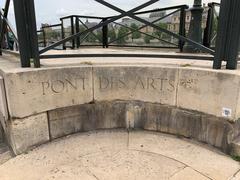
point(41, 90)
point(3, 104)
point(86, 117)
point(148, 84)
point(212, 130)
point(236, 147)
point(183, 123)
point(211, 92)
point(28, 132)
point(188, 174)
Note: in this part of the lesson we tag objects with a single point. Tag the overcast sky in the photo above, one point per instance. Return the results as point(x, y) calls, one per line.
point(49, 11)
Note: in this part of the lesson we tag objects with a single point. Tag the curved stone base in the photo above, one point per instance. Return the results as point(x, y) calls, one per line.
point(215, 131)
point(118, 154)
point(39, 105)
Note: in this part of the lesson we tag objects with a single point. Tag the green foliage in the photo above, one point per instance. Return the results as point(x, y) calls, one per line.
point(121, 32)
point(215, 25)
point(91, 38)
point(158, 33)
point(112, 34)
point(135, 34)
point(236, 158)
point(147, 39)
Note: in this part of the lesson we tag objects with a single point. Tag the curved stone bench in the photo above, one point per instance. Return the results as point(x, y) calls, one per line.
point(48, 103)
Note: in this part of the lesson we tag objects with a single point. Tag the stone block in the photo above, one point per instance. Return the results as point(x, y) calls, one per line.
point(217, 132)
point(134, 118)
point(148, 84)
point(3, 104)
point(69, 120)
point(183, 123)
point(211, 92)
point(88, 117)
point(236, 147)
point(155, 117)
point(110, 115)
point(36, 91)
point(28, 132)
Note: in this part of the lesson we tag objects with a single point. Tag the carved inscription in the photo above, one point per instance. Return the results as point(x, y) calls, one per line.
point(139, 83)
point(63, 86)
point(188, 83)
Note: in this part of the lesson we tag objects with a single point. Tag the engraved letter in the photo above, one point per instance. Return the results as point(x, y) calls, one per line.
point(58, 86)
point(140, 82)
point(74, 86)
point(150, 83)
point(101, 83)
point(45, 86)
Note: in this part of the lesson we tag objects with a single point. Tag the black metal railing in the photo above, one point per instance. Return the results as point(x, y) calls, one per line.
point(210, 32)
point(107, 35)
point(28, 39)
point(49, 34)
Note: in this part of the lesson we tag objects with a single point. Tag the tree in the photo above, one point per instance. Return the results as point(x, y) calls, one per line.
point(112, 34)
point(147, 39)
point(160, 33)
point(135, 34)
point(121, 32)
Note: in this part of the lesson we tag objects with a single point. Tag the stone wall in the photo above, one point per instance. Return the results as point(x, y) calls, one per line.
point(48, 103)
point(32, 131)
point(37, 91)
point(133, 115)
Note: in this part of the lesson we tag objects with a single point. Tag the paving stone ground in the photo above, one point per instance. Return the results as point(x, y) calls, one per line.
point(121, 155)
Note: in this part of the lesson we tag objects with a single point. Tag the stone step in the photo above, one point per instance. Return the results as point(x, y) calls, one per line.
point(236, 147)
point(5, 153)
point(1, 134)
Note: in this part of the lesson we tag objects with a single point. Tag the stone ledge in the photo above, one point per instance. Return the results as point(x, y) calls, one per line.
point(26, 133)
point(214, 131)
point(35, 91)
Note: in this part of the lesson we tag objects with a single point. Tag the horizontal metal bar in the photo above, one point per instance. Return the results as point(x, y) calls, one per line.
point(91, 45)
point(137, 13)
point(162, 9)
point(215, 4)
point(152, 47)
point(51, 26)
point(184, 56)
point(80, 16)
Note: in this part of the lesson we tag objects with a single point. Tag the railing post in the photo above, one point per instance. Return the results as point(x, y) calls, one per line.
point(182, 30)
point(209, 26)
point(63, 34)
point(1, 26)
point(44, 37)
point(105, 34)
point(228, 37)
point(195, 30)
point(72, 32)
point(4, 24)
point(27, 32)
point(77, 31)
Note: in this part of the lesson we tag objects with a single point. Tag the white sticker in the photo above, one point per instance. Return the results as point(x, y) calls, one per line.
point(226, 112)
